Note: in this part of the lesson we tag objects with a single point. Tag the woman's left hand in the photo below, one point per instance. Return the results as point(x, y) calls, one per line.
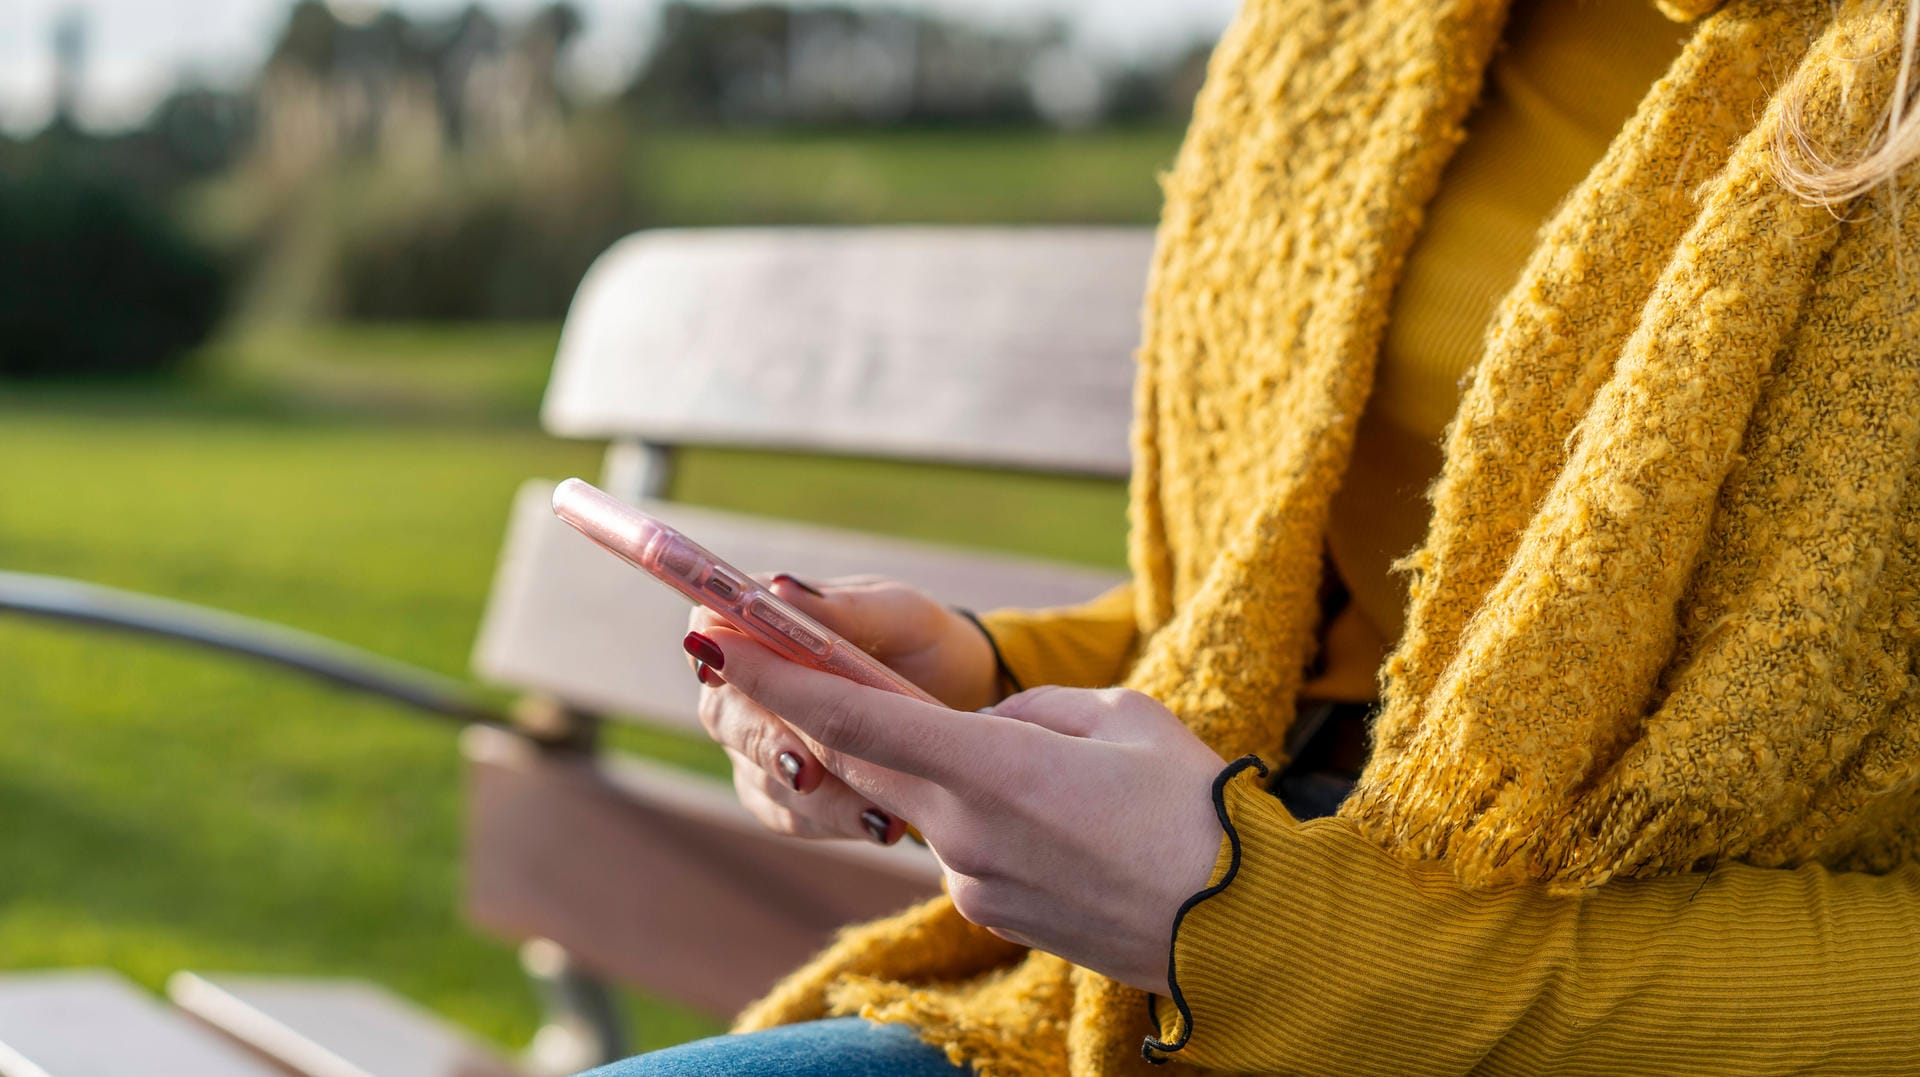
point(1069, 820)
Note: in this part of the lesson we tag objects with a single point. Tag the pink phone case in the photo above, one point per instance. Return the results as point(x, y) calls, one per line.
point(689, 568)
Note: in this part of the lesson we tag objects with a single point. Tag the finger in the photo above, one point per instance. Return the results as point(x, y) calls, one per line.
point(828, 584)
point(703, 621)
point(831, 811)
point(768, 812)
point(735, 722)
point(867, 610)
point(748, 731)
point(900, 734)
point(786, 583)
point(888, 791)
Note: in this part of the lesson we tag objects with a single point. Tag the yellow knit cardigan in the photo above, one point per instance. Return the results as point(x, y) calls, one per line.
point(1665, 615)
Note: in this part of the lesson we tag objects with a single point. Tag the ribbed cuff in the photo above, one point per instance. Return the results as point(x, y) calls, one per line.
point(1177, 1028)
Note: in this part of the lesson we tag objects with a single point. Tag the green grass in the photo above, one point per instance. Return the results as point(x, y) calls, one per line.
point(167, 809)
point(952, 177)
point(399, 372)
point(164, 809)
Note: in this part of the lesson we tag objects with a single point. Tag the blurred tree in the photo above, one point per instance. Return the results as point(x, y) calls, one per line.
point(552, 29)
point(411, 167)
point(93, 281)
point(502, 238)
point(767, 64)
point(308, 39)
point(69, 68)
point(774, 63)
point(387, 82)
point(1161, 92)
point(199, 130)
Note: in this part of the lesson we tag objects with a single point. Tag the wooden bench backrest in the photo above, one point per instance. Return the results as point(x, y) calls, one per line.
point(1007, 347)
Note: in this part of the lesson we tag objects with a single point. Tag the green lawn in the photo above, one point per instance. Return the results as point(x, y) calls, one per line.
point(164, 809)
point(962, 177)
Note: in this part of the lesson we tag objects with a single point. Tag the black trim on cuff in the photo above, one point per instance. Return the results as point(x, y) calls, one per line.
point(999, 660)
point(1153, 1050)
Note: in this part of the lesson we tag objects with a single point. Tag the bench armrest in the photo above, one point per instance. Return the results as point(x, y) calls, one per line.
point(59, 599)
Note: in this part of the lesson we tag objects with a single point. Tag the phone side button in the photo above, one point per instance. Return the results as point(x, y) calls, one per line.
point(722, 584)
point(786, 626)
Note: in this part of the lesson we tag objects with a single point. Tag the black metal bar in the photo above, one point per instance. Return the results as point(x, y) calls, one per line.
point(59, 599)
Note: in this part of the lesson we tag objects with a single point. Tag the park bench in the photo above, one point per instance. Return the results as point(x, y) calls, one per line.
point(999, 348)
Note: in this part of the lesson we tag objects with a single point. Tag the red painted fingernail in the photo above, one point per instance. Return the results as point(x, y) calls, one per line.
point(707, 676)
point(800, 583)
point(789, 764)
point(704, 650)
point(877, 824)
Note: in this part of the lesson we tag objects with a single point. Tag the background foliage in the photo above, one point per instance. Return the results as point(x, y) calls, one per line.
point(96, 281)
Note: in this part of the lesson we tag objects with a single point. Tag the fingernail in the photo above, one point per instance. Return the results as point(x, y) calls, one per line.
point(707, 676)
point(800, 583)
point(704, 650)
point(877, 824)
point(789, 764)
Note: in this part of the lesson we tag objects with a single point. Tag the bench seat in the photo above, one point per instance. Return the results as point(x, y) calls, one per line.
point(658, 878)
point(332, 1028)
point(93, 1023)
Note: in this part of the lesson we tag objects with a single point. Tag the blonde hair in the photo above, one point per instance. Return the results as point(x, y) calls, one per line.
point(1805, 169)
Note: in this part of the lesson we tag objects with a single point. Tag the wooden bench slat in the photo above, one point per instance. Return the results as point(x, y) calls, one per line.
point(90, 1023)
point(658, 878)
point(568, 619)
point(333, 1028)
point(1002, 346)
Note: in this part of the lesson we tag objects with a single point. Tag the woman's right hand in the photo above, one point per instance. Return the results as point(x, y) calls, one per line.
point(778, 780)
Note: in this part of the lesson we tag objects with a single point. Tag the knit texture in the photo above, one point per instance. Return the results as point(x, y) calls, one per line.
point(1565, 79)
point(1654, 623)
point(1665, 613)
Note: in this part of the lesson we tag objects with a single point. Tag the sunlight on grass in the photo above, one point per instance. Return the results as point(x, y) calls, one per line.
point(401, 371)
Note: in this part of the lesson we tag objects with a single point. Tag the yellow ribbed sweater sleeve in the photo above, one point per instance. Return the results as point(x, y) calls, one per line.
point(1083, 646)
point(1313, 951)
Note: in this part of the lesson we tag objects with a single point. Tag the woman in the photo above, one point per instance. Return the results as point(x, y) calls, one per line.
point(1642, 792)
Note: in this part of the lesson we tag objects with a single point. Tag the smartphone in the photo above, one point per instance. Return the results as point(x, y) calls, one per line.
point(689, 568)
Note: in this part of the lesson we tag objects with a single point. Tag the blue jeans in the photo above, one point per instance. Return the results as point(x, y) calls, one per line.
point(840, 1047)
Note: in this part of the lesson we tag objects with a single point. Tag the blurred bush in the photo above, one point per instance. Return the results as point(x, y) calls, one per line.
point(499, 239)
point(94, 281)
point(402, 168)
point(497, 232)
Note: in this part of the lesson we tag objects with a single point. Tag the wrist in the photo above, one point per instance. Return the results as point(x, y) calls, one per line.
point(994, 678)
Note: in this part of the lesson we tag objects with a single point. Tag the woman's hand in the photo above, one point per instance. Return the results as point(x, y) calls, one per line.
point(774, 772)
point(1069, 820)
